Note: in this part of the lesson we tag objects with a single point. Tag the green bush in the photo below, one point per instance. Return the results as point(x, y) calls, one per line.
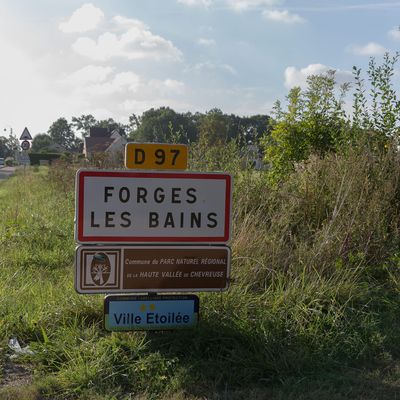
point(9, 161)
point(314, 122)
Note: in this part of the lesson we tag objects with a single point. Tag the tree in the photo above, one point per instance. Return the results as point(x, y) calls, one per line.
point(213, 127)
point(164, 125)
point(111, 125)
point(254, 127)
point(8, 145)
point(83, 123)
point(377, 120)
point(314, 123)
point(134, 123)
point(217, 127)
point(61, 133)
point(77, 145)
point(5, 150)
point(41, 143)
point(13, 143)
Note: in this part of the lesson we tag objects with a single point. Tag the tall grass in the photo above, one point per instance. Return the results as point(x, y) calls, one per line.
point(338, 212)
point(315, 284)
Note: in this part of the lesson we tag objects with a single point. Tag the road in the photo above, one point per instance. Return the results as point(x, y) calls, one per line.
point(5, 172)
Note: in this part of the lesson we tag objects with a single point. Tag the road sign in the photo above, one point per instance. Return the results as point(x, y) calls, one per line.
point(25, 135)
point(23, 158)
point(156, 156)
point(25, 145)
point(126, 313)
point(138, 269)
point(157, 207)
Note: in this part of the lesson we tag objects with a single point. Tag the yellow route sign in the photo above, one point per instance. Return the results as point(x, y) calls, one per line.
point(156, 156)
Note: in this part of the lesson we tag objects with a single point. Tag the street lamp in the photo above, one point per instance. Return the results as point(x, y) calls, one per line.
point(15, 147)
point(10, 129)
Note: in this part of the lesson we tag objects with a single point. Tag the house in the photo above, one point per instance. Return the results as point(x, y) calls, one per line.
point(102, 141)
point(254, 156)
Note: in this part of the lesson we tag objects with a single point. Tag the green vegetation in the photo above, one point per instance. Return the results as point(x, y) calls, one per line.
point(162, 125)
point(314, 292)
point(312, 310)
point(8, 145)
point(315, 122)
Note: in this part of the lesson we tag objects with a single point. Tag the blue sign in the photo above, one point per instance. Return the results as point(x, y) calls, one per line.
point(127, 313)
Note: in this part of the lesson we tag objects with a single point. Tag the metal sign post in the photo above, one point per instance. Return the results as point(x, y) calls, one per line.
point(25, 146)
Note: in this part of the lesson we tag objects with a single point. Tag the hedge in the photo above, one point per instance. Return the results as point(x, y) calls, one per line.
point(36, 157)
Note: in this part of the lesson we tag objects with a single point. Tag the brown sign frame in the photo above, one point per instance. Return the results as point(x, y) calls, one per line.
point(151, 269)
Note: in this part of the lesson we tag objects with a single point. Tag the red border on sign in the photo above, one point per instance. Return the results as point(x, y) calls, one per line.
point(81, 238)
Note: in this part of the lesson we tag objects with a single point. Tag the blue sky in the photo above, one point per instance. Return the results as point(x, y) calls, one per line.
point(64, 58)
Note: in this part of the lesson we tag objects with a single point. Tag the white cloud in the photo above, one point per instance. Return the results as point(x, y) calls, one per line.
point(298, 77)
point(236, 5)
point(106, 87)
point(395, 33)
point(229, 68)
point(27, 98)
point(139, 106)
point(173, 85)
point(98, 113)
point(191, 3)
point(163, 88)
point(211, 66)
point(88, 74)
point(243, 5)
point(122, 82)
point(157, 93)
point(40, 84)
point(128, 80)
point(206, 42)
point(282, 16)
point(135, 42)
point(370, 49)
point(84, 19)
point(105, 90)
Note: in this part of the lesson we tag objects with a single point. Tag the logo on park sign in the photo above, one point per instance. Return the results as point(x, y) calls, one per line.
point(100, 269)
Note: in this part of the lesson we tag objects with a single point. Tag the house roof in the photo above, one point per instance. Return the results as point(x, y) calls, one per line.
point(97, 144)
point(99, 132)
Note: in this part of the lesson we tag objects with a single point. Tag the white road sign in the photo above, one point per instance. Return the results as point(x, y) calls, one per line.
point(156, 207)
point(25, 135)
point(25, 145)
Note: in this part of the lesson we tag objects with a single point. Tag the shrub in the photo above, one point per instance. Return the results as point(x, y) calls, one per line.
point(314, 123)
point(340, 211)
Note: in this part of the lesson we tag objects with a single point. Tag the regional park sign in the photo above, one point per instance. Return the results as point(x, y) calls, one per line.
point(138, 269)
point(152, 207)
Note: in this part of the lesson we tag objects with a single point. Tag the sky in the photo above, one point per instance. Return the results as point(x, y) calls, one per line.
point(65, 58)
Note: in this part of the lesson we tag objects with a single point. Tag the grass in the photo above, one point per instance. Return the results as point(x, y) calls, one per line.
point(312, 311)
